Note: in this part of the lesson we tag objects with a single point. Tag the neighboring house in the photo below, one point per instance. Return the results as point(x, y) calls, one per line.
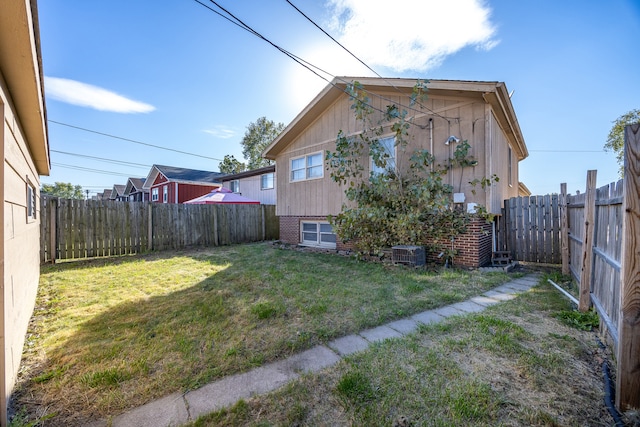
point(25, 156)
point(168, 184)
point(134, 191)
point(257, 184)
point(479, 112)
point(105, 195)
point(117, 193)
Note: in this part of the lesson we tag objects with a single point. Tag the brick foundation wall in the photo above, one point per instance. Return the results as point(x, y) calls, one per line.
point(473, 247)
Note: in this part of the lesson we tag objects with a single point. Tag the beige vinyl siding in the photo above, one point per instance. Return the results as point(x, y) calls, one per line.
point(250, 187)
point(21, 237)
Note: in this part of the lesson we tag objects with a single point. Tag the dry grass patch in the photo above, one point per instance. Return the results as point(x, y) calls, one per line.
point(111, 334)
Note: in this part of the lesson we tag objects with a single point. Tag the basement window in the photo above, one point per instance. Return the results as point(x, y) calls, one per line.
point(319, 234)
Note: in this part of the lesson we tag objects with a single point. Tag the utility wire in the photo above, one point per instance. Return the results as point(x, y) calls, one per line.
point(102, 159)
point(238, 22)
point(356, 58)
point(80, 168)
point(133, 141)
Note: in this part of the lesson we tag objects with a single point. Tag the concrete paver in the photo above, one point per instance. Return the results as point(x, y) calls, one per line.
point(404, 326)
point(167, 411)
point(350, 344)
point(177, 409)
point(427, 317)
point(448, 311)
point(484, 301)
point(380, 333)
point(312, 360)
point(500, 296)
point(468, 307)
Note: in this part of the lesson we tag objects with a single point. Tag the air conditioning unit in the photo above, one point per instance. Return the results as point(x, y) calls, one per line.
point(409, 255)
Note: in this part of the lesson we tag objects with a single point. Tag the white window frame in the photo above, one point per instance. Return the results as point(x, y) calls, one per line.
point(392, 158)
point(31, 201)
point(305, 235)
point(270, 182)
point(155, 194)
point(306, 167)
point(165, 193)
point(234, 186)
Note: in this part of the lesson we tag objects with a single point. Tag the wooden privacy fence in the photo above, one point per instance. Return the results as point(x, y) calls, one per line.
point(75, 229)
point(594, 236)
point(529, 228)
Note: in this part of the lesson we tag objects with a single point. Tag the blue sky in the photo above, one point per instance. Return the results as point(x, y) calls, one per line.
point(176, 75)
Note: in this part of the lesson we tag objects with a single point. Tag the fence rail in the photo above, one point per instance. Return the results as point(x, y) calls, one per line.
point(76, 229)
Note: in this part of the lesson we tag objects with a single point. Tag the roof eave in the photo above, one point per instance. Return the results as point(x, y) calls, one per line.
point(21, 65)
point(503, 108)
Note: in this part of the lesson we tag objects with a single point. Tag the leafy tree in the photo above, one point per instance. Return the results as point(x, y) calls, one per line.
point(258, 136)
point(615, 140)
point(394, 204)
point(231, 165)
point(64, 190)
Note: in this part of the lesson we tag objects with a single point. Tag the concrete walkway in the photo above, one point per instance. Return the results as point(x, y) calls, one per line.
point(177, 409)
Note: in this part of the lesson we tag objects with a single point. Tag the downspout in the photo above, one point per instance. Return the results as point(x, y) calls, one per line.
point(431, 140)
point(176, 192)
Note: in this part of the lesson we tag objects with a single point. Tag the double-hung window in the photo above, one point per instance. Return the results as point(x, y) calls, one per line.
point(318, 234)
point(165, 194)
point(154, 194)
point(387, 156)
point(266, 181)
point(234, 186)
point(306, 167)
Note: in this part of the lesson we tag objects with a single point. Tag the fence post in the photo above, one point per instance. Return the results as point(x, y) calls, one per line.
point(150, 229)
point(53, 213)
point(587, 245)
point(628, 355)
point(564, 229)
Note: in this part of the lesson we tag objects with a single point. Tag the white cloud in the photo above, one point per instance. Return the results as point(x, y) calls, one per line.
point(221, 132)
point(411, 34)
point(86, 95)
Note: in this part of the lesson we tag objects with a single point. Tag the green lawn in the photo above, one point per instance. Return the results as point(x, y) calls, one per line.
point(519, 363)
point(111, 334)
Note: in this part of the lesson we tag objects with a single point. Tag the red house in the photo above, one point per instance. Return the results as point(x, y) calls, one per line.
point(168, 184)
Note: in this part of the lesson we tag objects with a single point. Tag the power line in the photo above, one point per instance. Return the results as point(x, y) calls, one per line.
point(358, 59)
point(81, 168)
point(102, 159)
point(134, 141)
point(306, 64)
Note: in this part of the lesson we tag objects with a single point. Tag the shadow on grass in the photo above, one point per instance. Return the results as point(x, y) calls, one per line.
point(243, 307)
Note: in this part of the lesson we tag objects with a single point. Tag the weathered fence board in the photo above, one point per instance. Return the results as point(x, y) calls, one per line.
point(628, 351)
point(75, 229)
point(529, 228)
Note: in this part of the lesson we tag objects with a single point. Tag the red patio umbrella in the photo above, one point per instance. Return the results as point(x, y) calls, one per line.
point(222, 195)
